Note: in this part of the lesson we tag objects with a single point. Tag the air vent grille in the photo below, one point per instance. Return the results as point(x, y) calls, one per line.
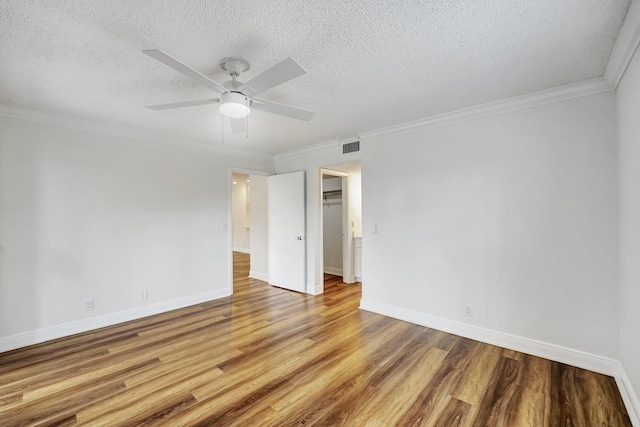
point(351, 147)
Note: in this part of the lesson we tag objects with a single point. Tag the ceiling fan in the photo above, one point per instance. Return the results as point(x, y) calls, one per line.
point(237, 98)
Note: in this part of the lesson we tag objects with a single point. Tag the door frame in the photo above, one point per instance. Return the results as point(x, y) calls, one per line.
point(228, 227)
point(347, 257)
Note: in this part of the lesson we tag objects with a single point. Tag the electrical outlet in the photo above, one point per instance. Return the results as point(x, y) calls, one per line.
point(468, 310)
point(144, 295)
point(374, 228)
point(88, 304)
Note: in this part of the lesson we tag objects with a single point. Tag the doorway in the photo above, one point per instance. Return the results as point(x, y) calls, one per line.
point(340, 222)
point(248, 221)
point(334, 224)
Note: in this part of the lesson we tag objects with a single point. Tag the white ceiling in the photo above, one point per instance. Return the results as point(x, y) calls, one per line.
point(370, 64)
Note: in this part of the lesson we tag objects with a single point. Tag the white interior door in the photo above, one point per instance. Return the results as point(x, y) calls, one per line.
point(287, 231)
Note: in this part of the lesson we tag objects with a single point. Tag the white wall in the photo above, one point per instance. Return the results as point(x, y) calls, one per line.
point(332, 227)
point(628, 97)
point(241, 235)
point(259, 228)
point(515, 214)
point(88, 215)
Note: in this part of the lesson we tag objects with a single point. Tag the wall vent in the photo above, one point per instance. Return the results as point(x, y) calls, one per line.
point(351, 147)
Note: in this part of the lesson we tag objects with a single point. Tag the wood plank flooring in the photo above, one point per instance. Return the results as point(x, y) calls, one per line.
point(271, 357)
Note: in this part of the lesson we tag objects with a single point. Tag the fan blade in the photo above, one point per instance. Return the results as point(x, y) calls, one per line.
point(238, 125)
point(274, 76)
point(194, 75)
point(182, 104)
point(283, 110)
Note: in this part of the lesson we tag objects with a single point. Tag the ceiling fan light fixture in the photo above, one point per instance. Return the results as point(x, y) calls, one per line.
point(234, 105)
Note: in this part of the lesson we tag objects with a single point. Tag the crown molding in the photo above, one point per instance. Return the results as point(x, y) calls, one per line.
point(308, 149)
point(77, 123)
point(547, 96)
point(626, 45)
point(316, 147)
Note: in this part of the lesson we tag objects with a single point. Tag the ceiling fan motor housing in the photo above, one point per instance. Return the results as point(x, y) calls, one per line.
point(234, 66)
point(235, 105)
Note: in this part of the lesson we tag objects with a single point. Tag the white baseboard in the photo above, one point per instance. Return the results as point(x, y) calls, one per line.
point(243, 250)
point(333, 270)
point(581, 359)
point(628, 394)
point(58, 331)
point(260, 276)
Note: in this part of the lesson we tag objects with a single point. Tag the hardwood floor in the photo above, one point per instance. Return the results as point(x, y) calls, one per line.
point(271, 357)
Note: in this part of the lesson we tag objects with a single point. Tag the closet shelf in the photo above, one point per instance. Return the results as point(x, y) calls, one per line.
point(331, 193)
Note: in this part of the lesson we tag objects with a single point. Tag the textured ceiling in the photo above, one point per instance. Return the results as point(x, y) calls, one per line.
point(370, 64)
